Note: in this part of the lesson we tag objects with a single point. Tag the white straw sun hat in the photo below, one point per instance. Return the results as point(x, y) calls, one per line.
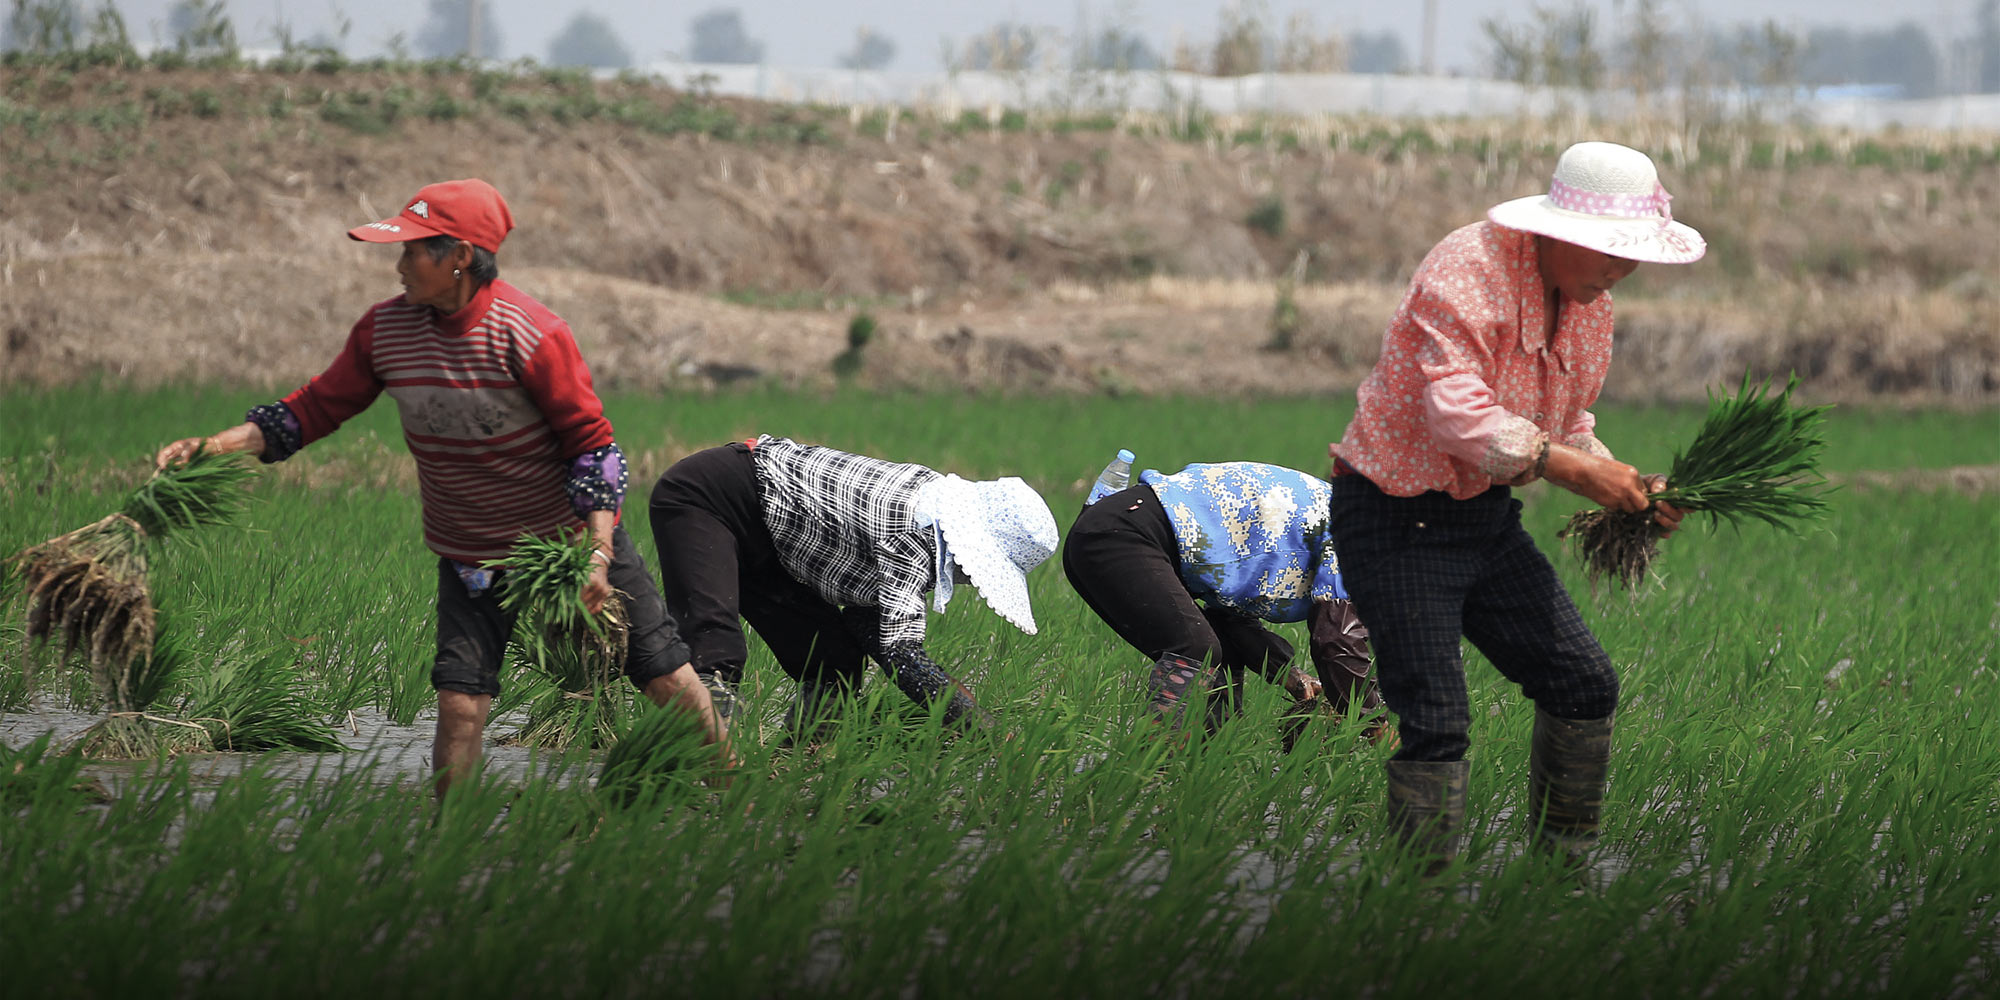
point(1608, 198)
point(996, 531)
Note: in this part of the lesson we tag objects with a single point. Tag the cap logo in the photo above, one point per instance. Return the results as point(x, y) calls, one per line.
point(389, 226)
point(421, 209)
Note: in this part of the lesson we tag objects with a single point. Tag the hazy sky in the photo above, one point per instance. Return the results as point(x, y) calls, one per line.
point(813, 32)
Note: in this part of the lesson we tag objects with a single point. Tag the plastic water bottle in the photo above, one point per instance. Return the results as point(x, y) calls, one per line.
point(1115, 477)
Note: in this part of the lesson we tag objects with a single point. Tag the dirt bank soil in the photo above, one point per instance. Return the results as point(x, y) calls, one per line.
point(172, 225)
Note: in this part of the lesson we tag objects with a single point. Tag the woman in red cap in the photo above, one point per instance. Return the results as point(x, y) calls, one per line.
point(509, 437)
point(1485, 382)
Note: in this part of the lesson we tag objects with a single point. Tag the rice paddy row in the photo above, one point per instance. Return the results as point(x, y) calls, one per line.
point(1802, 794)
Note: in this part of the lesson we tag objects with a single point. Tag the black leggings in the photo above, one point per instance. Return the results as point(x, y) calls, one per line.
point(1123, 559)
point(718, 568)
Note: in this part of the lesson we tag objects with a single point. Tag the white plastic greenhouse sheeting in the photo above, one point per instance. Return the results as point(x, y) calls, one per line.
point(1334, 93)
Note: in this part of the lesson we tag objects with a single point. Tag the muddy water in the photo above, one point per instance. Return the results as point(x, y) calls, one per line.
point(378, 749)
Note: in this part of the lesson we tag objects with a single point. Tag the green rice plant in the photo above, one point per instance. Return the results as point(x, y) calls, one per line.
point(248, 702)
point(648, 763)
point(90, 584)
point(31, 777)
point(130, 730)
point(1755, 458)
point(581, 653)
point(1801, 803)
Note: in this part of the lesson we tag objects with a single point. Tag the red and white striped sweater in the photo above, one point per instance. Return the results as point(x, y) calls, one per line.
point(495, 399)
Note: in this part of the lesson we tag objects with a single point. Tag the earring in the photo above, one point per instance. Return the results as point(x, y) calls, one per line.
point(455, 272)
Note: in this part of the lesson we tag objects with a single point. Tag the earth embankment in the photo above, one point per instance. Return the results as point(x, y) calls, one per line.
point(186, 225)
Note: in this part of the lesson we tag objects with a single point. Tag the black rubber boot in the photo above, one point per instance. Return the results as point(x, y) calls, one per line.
point(1567, 766)
point(1427, 808)
point(1174, 680)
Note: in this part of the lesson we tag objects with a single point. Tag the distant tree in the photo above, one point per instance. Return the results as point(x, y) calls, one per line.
point(1903, 56)
point(41, 26)
point(1988, 47)
point(1376, 53)
point(588, 40)
point(1118, 49)
point(1004, 46)
point(1303, 49)
point(107, 28)
point(1556, 48)
point(872, 50)
point(1648, 50)
point(1243, 40)
point(202, 26)
point(448, 29)
point(718, 36)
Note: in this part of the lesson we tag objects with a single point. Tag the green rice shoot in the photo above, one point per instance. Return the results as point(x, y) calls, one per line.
point(1755, 458)
point(581, 654)
point(90, 585)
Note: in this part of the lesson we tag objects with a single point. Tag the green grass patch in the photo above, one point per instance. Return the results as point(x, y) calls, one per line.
point(1801, 798)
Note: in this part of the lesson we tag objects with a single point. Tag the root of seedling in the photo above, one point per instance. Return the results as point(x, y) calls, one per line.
point(140, 735)
point(90, 585)
point(1613, 544)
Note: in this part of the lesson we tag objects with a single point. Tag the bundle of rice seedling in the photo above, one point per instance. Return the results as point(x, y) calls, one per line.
point(1754, 458)
point(581, 654)
point(659, 757)
point(90, 584)
point(247, 702)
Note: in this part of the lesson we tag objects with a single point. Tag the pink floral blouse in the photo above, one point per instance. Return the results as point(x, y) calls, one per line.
point(1467, 387)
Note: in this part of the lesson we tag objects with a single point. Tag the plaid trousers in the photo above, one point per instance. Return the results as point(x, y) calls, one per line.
point(1425, 570)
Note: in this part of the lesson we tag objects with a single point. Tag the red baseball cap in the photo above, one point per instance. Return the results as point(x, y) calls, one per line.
point(470, 210)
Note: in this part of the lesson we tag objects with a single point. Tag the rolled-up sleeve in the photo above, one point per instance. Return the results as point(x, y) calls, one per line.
point(1469, 424)
point(1582, 435)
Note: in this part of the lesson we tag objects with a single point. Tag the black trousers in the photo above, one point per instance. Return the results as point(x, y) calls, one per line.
point(719, 568)
point(472, 632)
point(1425, 570)
point(1123, 559)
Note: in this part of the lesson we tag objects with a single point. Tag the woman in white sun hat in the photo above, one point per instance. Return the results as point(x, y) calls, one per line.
point(829, 555)
point(1487, 374)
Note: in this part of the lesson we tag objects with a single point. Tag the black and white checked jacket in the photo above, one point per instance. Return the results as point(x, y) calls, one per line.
point(842, 525)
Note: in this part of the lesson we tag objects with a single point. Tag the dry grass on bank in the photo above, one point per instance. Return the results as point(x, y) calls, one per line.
point(266, 320)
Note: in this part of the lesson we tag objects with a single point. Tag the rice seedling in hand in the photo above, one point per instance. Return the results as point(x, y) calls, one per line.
point(1755, 458)
point(90, 584)
point(581, 654)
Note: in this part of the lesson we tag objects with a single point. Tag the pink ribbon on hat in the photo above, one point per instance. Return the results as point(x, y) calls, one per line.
point(1623, 206)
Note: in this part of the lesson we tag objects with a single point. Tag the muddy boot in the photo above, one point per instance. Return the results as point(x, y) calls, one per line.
point(1174, 679)
point(1427, 808)
point(1567, 765)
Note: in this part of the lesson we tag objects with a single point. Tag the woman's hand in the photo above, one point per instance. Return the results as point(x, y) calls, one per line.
point(1611, 483)
point(1666, 515)
point(597, 589)
point(178, 452)
point(245, 436)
